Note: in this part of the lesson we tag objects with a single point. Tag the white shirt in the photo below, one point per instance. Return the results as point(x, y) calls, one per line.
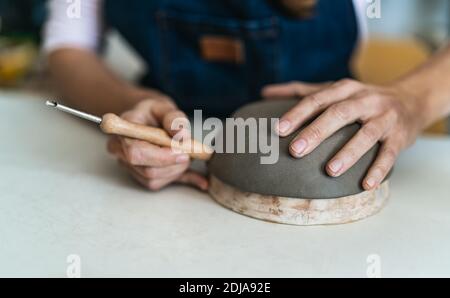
point(73, 24)
point(79, 24)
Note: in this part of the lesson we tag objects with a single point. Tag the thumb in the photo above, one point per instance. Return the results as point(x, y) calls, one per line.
point(176, 123)
point(195, 179)
point(173, 120)
point(148, 111)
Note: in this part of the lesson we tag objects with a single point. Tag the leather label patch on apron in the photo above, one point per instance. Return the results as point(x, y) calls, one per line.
point(217, 48)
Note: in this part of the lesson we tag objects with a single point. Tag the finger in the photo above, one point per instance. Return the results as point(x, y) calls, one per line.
point(176, 123)
point(141, 153)
point(363, 141)
point(297, 89)
point(315, 103)
point(329, 122)
point(382, 165)
point(151, 184)
point(149, 112)
point(164, 172)
point(160, 109)
point(141, 113)
point(114, 147)
point(189, 178)
point(194, 179)
point(137, 116)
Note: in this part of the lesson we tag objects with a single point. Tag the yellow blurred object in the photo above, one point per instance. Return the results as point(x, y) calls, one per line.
point(383, 60)
point(15, 62)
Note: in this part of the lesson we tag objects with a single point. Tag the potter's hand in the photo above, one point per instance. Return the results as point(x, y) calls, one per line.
point(387, 114)
point(151, 165)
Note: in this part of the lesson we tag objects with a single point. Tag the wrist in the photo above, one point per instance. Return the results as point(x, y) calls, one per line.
point(416, 99)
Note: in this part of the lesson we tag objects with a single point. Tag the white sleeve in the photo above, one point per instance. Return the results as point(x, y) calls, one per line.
point(360, 10)
point(73, 24)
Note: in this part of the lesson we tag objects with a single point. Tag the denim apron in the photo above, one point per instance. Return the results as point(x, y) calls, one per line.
point(277, 48)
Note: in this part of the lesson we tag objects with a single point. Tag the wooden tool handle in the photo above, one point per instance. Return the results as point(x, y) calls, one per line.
point(112, 124)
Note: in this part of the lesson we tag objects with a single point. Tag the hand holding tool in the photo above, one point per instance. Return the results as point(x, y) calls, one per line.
point(113, 124)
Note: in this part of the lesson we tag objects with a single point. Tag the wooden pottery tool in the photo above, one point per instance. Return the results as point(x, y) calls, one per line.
point(290, 191)
point(113, 124)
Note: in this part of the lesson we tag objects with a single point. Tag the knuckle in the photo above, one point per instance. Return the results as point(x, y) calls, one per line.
point(393, 116)
point(375, 102)
point(390, 154)
point(346, 83)
point(316, 101)
point(341, 111)
point(352, 153)
point(382, 102)
point(369, 101)
point(369, 95)
point(314, 132)
point(133, 155)
point(164, 159)
point(382, 169)
point(349, 155)
point(371, 132)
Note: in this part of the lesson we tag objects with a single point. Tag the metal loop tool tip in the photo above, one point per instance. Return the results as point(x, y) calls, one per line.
point(74, 112)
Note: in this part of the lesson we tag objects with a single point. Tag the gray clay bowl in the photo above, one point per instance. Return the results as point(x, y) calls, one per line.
point(291, 177)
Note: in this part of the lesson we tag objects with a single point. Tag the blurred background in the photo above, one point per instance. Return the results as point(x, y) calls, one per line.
point(405, 35)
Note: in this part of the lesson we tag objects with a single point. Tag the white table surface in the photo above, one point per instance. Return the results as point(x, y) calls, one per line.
point(61, 194)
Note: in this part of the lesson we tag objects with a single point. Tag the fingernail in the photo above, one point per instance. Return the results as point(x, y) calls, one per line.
point(283, 126)
point(299, 146)
point(182, 158)
point(370, 182)
point(335, 166)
